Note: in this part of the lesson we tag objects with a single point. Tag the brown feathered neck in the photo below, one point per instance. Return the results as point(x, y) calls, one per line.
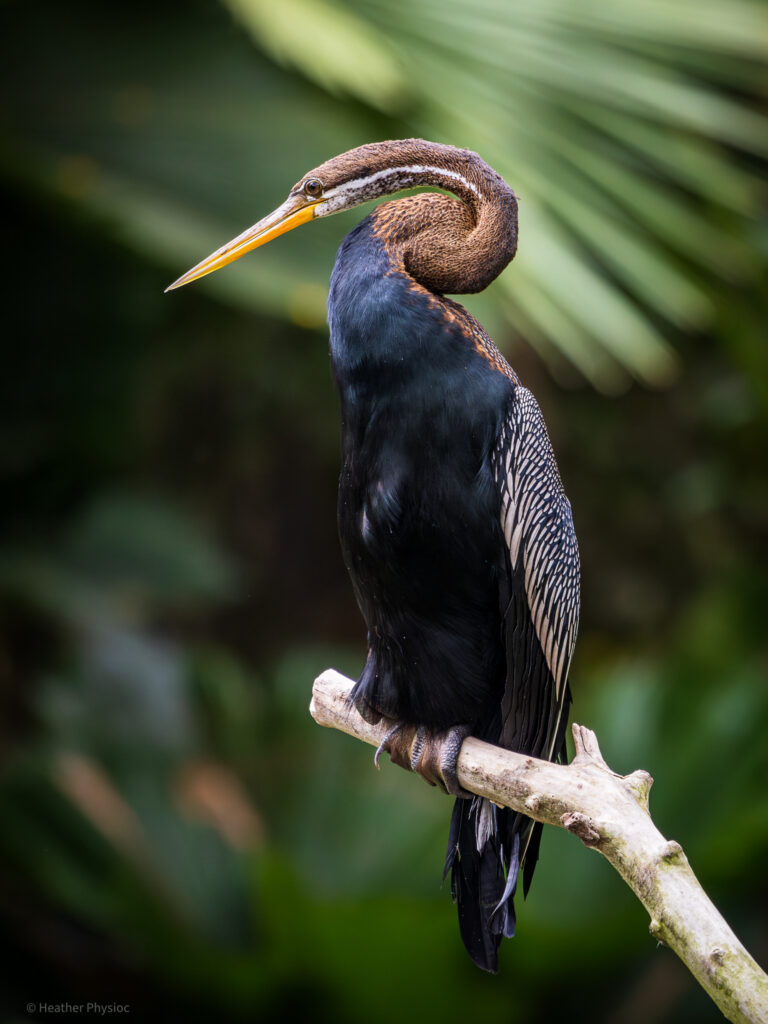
point(447, 245)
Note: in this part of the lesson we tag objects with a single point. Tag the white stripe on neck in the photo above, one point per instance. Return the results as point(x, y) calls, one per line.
point(359, 190)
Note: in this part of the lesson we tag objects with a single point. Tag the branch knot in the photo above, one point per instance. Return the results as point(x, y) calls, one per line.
point(582, 826)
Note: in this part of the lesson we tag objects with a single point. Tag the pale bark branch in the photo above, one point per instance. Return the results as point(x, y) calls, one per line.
point(609, 813)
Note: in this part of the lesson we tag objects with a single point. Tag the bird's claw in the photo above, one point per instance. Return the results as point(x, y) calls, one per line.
point(432, 755)
point(386, 744)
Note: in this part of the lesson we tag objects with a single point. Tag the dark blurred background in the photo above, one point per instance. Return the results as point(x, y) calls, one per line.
point(175, 832)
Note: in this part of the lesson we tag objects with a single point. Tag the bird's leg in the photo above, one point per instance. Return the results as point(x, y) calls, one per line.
point(434, 755)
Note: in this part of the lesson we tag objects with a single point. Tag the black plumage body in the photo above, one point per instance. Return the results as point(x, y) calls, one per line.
point(418, 509)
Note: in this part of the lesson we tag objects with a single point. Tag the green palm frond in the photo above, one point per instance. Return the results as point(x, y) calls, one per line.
point(330, 44)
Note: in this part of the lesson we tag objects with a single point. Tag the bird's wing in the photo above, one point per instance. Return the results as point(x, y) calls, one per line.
point(542, 614)
point(540, 609)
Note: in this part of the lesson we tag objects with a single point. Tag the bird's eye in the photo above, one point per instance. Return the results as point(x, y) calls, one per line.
point(313, 187)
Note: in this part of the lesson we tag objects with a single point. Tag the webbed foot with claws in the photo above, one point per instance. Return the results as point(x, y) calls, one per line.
point(434, 755)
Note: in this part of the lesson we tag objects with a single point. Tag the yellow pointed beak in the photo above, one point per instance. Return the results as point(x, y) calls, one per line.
point(295, 211)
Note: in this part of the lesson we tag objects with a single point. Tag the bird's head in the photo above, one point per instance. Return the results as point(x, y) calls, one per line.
point(361, 174)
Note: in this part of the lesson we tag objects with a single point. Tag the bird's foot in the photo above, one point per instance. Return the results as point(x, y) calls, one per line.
point(434, 755)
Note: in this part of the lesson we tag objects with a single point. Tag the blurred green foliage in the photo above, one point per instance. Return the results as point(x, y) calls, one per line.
point(176, 833)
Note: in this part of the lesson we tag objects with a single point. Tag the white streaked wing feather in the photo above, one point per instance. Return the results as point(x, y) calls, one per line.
point(538, 528)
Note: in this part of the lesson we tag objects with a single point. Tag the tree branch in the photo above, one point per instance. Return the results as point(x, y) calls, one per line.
point(609, 813)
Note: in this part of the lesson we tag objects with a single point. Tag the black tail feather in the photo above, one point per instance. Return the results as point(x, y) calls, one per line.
point(484, 858)
point(531, 855)
point(483, 881)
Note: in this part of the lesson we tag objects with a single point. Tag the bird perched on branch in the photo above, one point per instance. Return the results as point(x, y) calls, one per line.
point(453, 521)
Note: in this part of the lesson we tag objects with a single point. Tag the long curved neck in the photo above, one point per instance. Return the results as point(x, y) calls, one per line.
point(447, 245)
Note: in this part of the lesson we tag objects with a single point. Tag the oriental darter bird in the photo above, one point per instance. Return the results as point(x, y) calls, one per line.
point(453, 522)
